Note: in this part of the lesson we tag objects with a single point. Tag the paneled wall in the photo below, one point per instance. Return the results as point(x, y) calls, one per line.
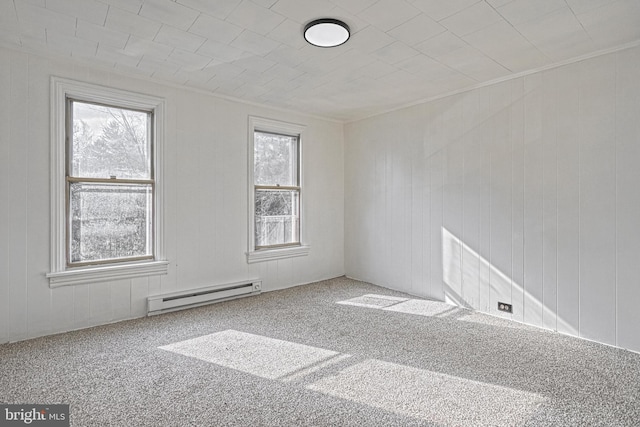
point(205, 194)
point(525, 192)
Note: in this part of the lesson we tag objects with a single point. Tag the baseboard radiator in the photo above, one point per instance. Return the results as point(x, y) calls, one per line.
point(196, 297)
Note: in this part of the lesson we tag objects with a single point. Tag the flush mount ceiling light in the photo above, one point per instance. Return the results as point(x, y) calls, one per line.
point(326, 32)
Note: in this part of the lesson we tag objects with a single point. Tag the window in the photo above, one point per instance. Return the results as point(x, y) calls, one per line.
point(275, 195)
point(106, 195)
point(110, 184)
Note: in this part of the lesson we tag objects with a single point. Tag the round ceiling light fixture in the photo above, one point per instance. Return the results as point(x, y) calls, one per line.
point(326, 32)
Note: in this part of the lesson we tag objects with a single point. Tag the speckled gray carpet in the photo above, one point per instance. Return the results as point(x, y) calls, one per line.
point(334, 353)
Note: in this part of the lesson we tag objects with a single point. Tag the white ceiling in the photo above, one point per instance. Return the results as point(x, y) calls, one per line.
point(401, 51)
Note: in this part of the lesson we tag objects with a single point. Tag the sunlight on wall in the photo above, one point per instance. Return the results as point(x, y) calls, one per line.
point(456, 259)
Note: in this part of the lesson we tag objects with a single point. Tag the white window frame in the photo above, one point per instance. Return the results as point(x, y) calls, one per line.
point(61, 274)
point(289, 251)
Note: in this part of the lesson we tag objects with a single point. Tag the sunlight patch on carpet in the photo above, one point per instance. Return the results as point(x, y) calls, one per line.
point(434, 397)
point(254, 354)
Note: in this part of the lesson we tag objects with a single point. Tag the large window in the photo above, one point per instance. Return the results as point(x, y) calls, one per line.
point(106, 191)
point(276, 190)
point(110, 184)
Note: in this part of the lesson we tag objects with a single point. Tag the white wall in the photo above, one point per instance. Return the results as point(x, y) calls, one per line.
point(206, 202)
point(526, 192)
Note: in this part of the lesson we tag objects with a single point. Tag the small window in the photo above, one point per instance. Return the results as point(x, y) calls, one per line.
point(110, 184)
point(277, 190)
point(276, 226)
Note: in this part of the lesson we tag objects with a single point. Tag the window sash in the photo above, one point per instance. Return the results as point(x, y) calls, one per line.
point(69, 180)
point(295, 178)
point(294, 215)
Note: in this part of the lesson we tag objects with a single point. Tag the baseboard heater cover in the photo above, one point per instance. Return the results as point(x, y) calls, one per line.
point(196, 297)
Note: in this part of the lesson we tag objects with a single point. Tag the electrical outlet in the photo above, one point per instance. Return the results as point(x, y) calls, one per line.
point(503, 306)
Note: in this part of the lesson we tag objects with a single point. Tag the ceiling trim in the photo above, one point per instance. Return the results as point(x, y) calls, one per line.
point(504, 79)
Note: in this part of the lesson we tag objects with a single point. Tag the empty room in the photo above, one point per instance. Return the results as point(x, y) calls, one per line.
point(320, 212)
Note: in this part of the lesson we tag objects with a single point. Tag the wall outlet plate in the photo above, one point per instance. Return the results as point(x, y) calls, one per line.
point(503, 306)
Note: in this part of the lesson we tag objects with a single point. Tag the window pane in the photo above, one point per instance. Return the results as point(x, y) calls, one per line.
point(109, 142)
point(277, 217)
point(276, 159)
point(110, 221)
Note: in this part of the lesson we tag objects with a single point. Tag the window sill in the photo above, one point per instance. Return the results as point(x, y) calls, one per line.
point(280, 253)
point(81, 276)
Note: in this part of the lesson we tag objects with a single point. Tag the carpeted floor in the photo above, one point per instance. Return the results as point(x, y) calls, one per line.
point(334, 353)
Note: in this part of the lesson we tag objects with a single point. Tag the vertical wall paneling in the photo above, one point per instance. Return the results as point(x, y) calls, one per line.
point(598, 201)
point(568, 158)
point(417, 191)
point(121, 299)
point(531, 196)
point(533, 201)
point(436, 289)
point(18, 169)
point(139, 293)
point(81, 308)
point(452, 209)
point(628, 200)
point(501, 182)
point(5, 140)
point(484, 179)
point(38, 292)
point(470, 238)
point(549, 199)
point(517, 207)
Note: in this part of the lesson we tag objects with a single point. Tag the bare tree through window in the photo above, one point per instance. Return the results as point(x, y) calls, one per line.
point(110, 183)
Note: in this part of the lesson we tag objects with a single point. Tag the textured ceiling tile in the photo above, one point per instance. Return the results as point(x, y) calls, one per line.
point(252, 42)
point(265, 3)
point(302, 11)
point(520, 11)
point(89, 10)
point(507, 46)
point(614, 23)
point(139, 46)
point(289, 56)
point(255, 63)
point(354, 6)
point(215, 29)
point(378, 14)
point(108, 53)
point(187, 60)
point(257, 18)
point(169, 12)
point(176, 38)
point(473, 64)
point(221, 52)
point(79, 47)
point(100, 34)
point(581, 6)
point(441, 45)
point(128, 22)
point(288, 32)
point(425, 67)
point(218, 8)
point(370, 39)
point(417, 30)
point(133, 6)
point(438, 9)
point(45, 18)
point(395, 52)
point(471, 19)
